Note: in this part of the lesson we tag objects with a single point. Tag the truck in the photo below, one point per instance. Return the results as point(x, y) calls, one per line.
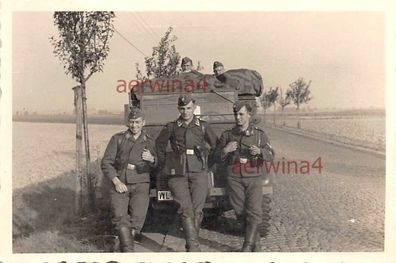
point(214, 97)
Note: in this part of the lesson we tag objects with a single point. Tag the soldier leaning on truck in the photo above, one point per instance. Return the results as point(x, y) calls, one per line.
point(186, 165)
point(242, 150)
point(127, 162)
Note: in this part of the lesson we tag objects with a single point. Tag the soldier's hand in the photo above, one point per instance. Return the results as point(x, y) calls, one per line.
point(230, 147)
point(254, 150)
point(147, 156)
point(119, 186)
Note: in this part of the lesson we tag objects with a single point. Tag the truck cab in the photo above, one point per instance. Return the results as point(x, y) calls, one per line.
point(214, 96)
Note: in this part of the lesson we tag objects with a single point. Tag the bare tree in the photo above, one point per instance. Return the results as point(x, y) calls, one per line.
point(300, 93)
point(82, 46)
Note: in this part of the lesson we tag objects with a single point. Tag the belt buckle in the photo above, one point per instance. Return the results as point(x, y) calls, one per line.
point(243, 160)
point(131, 166)
point(190, 152)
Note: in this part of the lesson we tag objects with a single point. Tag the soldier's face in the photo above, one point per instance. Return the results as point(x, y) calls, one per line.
point(136, 125)
point(242, 117)
point(218, 70)
point(186, 66)
point(187, 112)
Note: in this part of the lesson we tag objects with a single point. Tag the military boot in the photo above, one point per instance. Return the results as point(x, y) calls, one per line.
point(242, 225)
point(136, 235)
point(250, 237)
point(198, 221)
point(126, 240)
point(257, 243)
point(190, 233)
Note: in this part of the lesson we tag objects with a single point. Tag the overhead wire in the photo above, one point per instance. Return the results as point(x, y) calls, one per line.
point(129, 42)
point(148, 27)
point(143, 28)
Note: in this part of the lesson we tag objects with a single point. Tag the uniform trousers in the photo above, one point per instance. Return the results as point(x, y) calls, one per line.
point(246, 196)
point(130, 208)
point(189, 192)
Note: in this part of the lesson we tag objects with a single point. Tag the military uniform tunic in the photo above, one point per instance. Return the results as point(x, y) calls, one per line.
point(245, 171)
point(188, 181)
point(123, 159)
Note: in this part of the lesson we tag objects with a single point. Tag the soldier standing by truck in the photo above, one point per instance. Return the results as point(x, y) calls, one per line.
point(127, 162)
point(243, 150)
point(186, 166)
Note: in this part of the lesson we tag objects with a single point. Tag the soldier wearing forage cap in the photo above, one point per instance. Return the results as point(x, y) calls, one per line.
point(186, 64)
point(218, 68)
point(127, 162)
point(188, 73)
point(186, 165)
point(243, 150)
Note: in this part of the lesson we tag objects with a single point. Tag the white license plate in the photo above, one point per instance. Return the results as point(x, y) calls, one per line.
point(164, 195)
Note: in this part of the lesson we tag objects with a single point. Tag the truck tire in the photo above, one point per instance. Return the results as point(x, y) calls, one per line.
point(266, 217)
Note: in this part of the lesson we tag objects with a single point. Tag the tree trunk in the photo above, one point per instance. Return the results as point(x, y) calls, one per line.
point(90, 191)
point(298, 117)
point(283, 117)
point(78, 205)
point(265, 115)
point(274, 115)
point(88, 175)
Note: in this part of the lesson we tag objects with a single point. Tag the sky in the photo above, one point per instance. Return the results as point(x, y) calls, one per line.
point(342, 53)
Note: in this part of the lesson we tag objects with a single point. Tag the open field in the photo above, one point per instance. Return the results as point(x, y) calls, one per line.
point(357, 126)
point(43, 183)
point(361, 130)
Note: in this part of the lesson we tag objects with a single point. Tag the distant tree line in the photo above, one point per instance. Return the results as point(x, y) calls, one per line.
point(298, 93)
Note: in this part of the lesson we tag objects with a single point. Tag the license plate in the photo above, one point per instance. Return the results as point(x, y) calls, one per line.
point(164, 195)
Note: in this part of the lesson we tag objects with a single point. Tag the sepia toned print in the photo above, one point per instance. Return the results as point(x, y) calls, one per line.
point(301, 170)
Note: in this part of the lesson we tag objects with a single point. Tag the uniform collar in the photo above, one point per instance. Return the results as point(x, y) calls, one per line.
point(180, 122)
point(142, 136)
point(248, 132)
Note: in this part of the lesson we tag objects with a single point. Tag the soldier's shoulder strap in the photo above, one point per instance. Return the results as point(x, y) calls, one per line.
point(122, 136)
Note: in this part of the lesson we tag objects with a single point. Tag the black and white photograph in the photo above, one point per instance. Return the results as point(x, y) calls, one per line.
point(184, 132)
